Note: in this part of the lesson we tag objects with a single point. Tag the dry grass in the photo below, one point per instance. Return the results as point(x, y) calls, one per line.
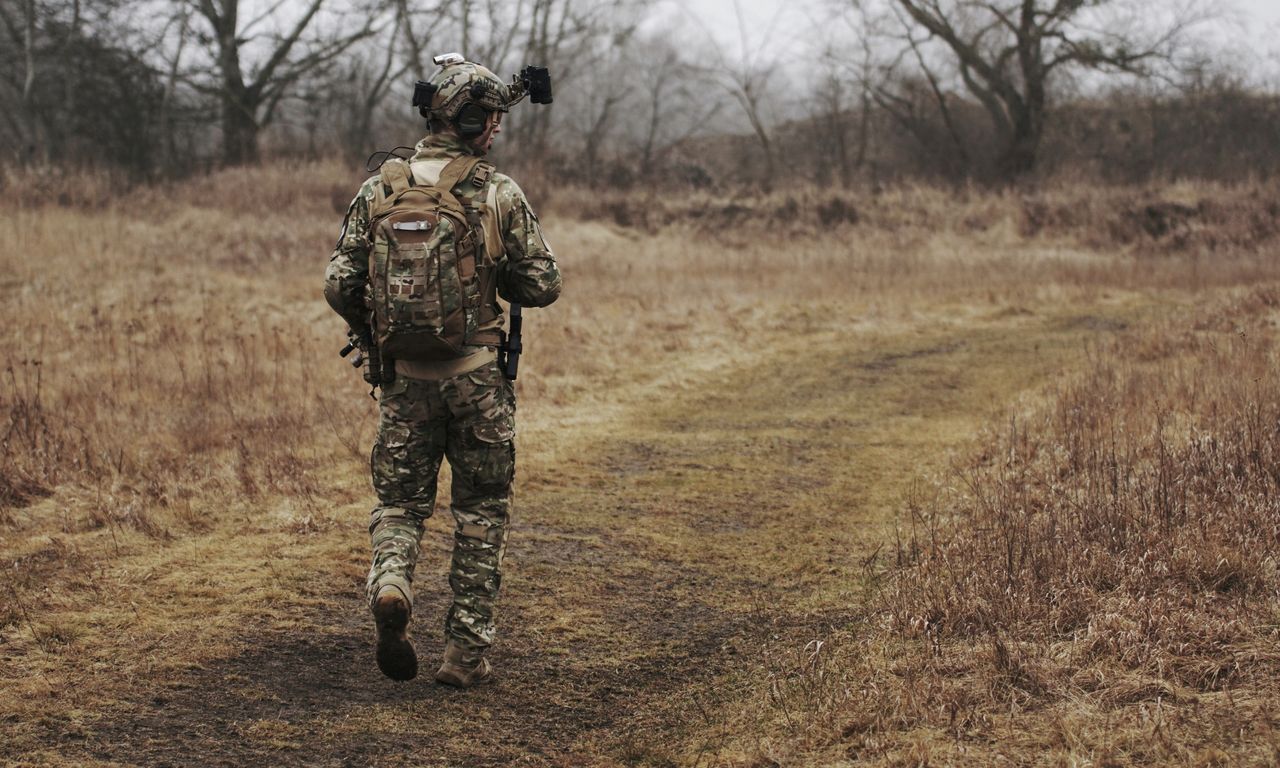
point(727, 391)
point(1097, 584)
point(1151, 220)
point(188, 292)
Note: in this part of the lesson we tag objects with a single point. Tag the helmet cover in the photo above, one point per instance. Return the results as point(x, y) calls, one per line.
point(459, 84)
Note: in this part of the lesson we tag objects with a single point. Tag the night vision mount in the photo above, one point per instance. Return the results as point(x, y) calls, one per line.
point(534, 82)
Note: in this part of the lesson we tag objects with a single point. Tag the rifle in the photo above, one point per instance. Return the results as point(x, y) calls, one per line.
point(509, 349)
point(375, 373)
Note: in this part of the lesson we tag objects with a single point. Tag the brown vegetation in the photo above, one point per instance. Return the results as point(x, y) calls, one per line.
point(1097, 581)
point(717, 425)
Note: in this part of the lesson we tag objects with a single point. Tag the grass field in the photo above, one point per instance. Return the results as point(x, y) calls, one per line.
point(914, 478)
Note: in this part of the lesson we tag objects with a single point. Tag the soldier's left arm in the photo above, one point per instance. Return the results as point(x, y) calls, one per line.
point(527, 272)
point(347, 278)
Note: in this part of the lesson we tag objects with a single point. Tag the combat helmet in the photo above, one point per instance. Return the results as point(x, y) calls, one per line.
point(461, 93)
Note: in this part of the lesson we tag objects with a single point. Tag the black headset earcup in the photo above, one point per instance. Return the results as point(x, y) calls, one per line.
point(471, 120)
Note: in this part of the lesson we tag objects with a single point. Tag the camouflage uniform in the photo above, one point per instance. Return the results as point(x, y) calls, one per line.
point(463, 410)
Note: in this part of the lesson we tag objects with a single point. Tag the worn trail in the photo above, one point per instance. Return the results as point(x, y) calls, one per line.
point(688, 529)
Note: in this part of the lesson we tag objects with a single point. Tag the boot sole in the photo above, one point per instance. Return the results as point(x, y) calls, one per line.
point(395, 654)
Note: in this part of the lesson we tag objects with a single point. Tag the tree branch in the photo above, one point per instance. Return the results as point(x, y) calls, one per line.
point(941, 100)
point(281, 52)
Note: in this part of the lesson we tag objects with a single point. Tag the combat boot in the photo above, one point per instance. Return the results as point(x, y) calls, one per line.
point(462, 669)
point(395, 654)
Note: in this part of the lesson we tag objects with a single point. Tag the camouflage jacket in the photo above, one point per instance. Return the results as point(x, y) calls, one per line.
point(527, 271)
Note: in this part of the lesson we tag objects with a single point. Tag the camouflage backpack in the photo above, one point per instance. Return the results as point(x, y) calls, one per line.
point(431, 279)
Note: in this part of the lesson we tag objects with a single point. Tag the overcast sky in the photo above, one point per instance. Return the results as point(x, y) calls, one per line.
point(789, 24)
point(1248, 30)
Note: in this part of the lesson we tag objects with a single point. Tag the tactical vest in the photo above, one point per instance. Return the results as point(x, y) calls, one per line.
point(433, 260)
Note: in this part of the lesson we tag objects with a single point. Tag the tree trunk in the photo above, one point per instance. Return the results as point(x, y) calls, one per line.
point(239, 105)
point(864, 135)
point(766, 146)
point(1021, 153)
point(239, 129)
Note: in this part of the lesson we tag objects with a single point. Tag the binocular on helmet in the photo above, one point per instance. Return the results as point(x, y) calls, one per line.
point(536, 82)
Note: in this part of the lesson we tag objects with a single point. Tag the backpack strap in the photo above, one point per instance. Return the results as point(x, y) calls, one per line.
point(480, 174)
point(457, 170)
point(394, 176)
point(478, 190)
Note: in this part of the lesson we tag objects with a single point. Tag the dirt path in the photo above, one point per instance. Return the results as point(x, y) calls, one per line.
point(697, 525)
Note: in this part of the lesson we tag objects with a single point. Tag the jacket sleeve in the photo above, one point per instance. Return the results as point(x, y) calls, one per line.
point(527, 272)
point(346, 281)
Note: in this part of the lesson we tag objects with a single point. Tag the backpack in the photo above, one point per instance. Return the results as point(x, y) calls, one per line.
point(432, 282)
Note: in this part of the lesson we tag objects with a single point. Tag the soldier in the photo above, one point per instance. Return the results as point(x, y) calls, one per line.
point(459, 406)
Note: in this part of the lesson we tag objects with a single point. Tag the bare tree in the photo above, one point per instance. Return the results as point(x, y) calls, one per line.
point(76, 84)
point(677, 101)
point(603, 91)
point(366, 80)
point(561, 34)
point(910, 91)
point(487, 29)
point(41, 36)
point(746, 78)
point(1006, 52)
point(181, 24)
point(249, 95)
point(831, 115)
point(842, 102)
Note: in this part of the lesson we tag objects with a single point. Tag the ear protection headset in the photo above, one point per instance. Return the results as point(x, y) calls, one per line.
point(471, 120)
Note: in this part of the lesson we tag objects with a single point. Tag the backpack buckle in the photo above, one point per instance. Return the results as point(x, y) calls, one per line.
point(482, 174)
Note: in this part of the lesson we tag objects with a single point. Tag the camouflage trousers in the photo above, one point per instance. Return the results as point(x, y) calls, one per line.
point(470, 419)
